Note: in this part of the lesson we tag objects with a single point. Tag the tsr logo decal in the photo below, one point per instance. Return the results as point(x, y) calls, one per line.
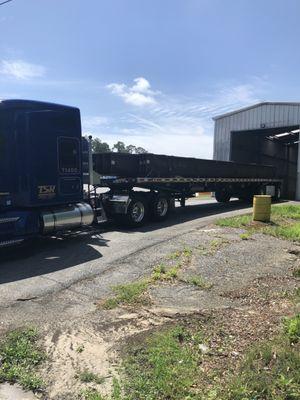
point(46, 191)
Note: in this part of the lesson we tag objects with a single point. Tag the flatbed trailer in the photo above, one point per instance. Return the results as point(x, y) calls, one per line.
point(134, 200)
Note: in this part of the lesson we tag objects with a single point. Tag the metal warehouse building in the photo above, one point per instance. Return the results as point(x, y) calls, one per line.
point(265, 133)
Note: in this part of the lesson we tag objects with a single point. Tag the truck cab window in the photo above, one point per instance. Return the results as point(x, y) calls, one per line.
point(68, 155)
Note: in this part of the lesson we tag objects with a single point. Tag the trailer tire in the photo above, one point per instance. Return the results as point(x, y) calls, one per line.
point(137, 212)
point(160, 208)
point(222, 196)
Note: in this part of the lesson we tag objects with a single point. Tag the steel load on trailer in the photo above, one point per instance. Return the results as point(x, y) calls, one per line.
point(157, 166)
point(169, 178)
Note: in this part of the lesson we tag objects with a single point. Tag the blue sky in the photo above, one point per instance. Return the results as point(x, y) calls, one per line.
point(151, 72)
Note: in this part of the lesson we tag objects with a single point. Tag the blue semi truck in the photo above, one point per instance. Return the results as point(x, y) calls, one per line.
point(45, 162)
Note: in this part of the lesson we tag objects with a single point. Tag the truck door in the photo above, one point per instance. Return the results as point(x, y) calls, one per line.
point(49, 157)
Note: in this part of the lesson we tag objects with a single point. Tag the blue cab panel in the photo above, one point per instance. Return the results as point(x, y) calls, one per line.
point(17, 225)
point(40, 155)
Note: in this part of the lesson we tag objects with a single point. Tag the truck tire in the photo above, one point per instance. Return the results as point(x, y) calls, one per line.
point(137, 212)
point(160, 208)
point(222, 196)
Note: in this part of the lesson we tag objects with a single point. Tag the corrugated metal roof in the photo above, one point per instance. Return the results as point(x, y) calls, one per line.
point(256, 106)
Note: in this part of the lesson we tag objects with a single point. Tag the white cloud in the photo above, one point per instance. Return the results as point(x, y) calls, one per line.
point(141, 85)
point(139, 94)
point(21, 70)
point(94, 122)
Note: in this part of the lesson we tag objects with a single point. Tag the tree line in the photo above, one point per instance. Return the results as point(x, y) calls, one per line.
point(120, 147)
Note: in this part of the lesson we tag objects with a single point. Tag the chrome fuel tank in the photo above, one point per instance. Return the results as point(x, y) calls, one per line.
point(65, 218)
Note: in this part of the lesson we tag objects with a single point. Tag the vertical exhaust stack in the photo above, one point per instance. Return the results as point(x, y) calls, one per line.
point(91, 177)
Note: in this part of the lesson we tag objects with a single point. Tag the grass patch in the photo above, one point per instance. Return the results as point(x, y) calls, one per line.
point(238, 221)
point(286, 211)
point(175, 255)
point(186, 252)
point(212, 247)
point(130, 293)
point(296, 273)
point(88, 377)
point(270, 371)
point(19, 357)
point(91, 394)
point(164, 367)
point(292, 329)
point(285, 223)
point(198, 281)
point(162, 273)
point(289, 231)
point(245, 236)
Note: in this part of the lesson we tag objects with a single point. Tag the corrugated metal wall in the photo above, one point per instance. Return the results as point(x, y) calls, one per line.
point(264, 115)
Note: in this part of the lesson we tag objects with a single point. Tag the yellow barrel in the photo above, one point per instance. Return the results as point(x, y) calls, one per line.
point(262, 208)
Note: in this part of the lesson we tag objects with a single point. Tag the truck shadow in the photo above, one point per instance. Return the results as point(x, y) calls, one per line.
point(48, 255)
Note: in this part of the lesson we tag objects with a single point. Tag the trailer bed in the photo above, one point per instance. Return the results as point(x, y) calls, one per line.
point(163, 167)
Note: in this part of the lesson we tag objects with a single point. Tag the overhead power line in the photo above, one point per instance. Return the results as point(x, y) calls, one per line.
point(4, 2)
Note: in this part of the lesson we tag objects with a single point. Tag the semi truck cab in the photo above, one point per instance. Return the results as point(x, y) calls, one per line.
point(41, 177)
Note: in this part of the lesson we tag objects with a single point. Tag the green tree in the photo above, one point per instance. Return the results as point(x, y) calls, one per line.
point(100, 147)
point(140, 150)
point(120, 147)
point(130, 149)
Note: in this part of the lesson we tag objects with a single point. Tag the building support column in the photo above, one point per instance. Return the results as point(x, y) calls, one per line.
point(298, 172)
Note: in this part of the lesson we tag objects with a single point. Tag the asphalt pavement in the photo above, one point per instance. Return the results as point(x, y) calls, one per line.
point(54, 263)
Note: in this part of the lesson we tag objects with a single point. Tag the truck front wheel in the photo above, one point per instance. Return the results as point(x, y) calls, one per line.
point(222, 196)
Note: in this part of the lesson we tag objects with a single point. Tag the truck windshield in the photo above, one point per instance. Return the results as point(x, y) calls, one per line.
point(69, 155)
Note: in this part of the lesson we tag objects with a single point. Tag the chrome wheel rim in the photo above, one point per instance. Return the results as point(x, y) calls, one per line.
point(138, 211)
point(162, 207)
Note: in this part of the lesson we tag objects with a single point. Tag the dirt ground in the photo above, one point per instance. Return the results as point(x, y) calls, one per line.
point(245, 296)
point(247, 299)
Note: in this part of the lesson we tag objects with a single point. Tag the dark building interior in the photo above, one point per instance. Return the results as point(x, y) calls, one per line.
point(277, 147)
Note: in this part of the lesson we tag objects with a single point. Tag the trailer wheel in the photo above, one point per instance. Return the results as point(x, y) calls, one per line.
point(137, 212)
point(160, 208)
point(222, 196)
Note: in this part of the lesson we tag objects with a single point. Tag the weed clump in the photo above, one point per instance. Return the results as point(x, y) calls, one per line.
point(19, 357)
point(292, 328)
point(130, 293)
point(88, 377)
